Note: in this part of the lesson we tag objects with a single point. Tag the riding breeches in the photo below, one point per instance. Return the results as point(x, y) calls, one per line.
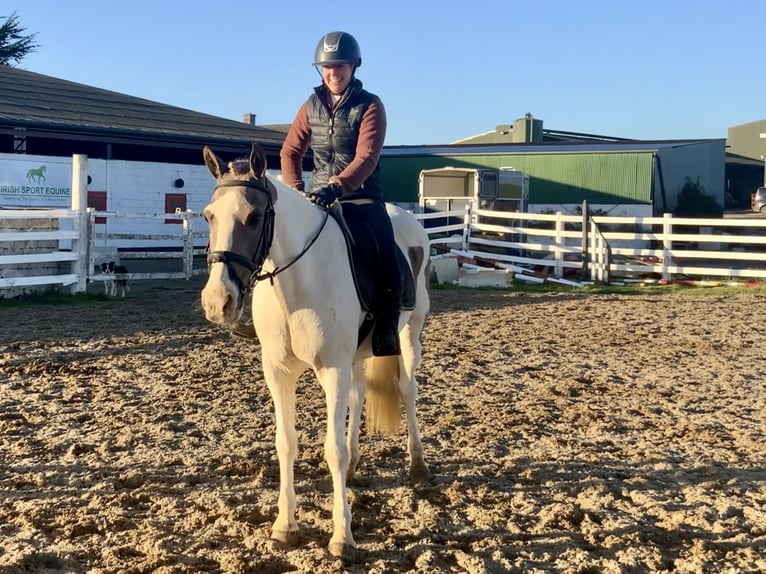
point(371, 217)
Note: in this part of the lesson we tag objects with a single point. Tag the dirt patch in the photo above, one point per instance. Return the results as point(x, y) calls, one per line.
point(566, 433)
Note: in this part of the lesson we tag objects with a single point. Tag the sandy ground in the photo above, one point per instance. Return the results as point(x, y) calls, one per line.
point(566, 433)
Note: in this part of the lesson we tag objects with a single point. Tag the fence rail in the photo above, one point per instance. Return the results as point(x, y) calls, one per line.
point(179, 246)
point(611, 248)
point(536, 247)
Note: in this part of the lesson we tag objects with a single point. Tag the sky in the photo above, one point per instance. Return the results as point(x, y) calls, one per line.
point(444, 69)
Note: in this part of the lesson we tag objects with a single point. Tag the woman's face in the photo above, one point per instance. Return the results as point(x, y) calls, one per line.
point(337, 77)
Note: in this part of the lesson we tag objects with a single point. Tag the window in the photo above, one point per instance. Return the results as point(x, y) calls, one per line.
point(174, 201)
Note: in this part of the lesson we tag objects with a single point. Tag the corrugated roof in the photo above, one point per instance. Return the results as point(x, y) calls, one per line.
point(530, 148)
point(32, 100)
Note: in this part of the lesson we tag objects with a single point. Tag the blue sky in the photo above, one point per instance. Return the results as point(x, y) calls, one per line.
point(445, 70)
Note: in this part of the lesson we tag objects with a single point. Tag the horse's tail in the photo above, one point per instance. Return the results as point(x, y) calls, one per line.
point(382, 401)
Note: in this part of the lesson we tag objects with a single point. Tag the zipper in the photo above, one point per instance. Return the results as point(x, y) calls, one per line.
point(331, 129)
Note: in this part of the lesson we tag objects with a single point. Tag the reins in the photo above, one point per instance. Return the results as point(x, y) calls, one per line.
point(262, 248)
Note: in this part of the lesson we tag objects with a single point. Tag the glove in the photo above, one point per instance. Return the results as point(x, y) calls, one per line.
point(326, 196)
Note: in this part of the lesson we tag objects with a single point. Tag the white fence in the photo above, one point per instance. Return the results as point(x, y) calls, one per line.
point(31, 242)
point(70, 252)
point(552, 247)
point(45, 247)
point(173, 249)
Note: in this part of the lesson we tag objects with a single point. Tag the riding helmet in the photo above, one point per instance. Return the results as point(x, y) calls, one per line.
point(337, 48)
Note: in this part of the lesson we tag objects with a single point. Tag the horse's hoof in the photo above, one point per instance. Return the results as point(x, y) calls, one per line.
point(341, 550)
point(419, 473)
point(286, 537)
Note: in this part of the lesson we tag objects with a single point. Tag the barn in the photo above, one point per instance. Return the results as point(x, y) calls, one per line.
point(623, 177)
point(147, 155)
point(142, 155)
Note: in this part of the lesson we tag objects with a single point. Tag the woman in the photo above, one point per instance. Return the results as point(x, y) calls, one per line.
point(345, 126)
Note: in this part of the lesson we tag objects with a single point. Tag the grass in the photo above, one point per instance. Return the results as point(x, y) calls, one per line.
point(51, 298)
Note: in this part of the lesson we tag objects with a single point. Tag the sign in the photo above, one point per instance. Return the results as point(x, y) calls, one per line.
point(36, 181)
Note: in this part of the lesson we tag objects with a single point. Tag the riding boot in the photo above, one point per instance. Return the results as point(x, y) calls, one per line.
point(385, 335)
point(244, 327)
point(244, 330)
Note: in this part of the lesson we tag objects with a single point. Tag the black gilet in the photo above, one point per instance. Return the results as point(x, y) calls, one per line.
point(334, 136)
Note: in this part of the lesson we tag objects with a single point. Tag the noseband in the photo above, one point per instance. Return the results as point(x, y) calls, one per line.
point(255, 263)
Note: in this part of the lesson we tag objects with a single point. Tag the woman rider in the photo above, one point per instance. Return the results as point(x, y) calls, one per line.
point(345, 126)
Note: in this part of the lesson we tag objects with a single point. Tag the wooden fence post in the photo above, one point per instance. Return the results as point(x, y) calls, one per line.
point(667, 244)
point(188, 243)
point(558, 267)
point(597, 256)
point(467, 219)
point(81, 245)
point(585, 272)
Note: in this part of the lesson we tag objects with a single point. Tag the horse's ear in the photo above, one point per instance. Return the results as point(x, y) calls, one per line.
point(214, 163)
point(257, 161)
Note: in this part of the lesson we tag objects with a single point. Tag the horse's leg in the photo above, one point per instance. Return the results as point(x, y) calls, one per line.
point(336, 384)
point(282, 388)
point(355, 405)
point(409, 339)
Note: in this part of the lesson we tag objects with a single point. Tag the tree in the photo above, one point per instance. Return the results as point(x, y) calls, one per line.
point(14, 45)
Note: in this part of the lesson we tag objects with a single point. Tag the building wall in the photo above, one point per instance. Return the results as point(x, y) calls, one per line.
point(745, 172)
point(744, 140)
point(567, 177)
point(128, 187)
point(572, 178)
point(703, 163)
point(144, 187)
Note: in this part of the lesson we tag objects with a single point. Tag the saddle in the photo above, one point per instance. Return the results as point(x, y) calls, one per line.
point(363, 256)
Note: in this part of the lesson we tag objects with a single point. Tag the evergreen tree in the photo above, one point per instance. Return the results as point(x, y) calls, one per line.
point(14, 45)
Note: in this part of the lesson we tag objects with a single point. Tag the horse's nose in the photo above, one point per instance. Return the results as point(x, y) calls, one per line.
point(219, 303)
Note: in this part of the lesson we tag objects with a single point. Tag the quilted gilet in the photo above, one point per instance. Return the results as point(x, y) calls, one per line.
point(334, 136)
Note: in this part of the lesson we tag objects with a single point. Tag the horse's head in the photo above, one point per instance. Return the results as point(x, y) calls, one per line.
point(240, 217)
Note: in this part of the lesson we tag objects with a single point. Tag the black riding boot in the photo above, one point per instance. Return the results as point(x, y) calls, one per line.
point(385, 335)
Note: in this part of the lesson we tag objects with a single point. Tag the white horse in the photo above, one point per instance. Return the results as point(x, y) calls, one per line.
point(270, 238)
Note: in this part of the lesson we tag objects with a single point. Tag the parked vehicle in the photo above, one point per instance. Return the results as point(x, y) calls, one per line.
point(758, 200)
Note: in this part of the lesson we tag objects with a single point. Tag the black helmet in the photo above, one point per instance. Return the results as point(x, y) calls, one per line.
point(337, 48)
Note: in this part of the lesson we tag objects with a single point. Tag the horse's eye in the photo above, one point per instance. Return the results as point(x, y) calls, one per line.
point(252, 219)
point(207, 215)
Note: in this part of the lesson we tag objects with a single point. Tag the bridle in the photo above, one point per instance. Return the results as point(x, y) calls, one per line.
point(266, 237)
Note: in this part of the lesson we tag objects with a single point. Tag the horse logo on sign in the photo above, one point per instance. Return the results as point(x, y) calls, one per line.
point(36, 175)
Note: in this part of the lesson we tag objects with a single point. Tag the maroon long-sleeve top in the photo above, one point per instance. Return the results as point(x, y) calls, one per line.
point(372, 133)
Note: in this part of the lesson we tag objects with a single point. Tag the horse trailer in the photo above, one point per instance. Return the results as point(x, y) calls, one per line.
point(451, 188)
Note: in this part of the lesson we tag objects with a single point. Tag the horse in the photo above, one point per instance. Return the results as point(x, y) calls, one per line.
point(36, 175)
point(268, 240)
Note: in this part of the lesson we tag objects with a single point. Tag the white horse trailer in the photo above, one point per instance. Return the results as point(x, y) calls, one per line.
point(451, 188)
